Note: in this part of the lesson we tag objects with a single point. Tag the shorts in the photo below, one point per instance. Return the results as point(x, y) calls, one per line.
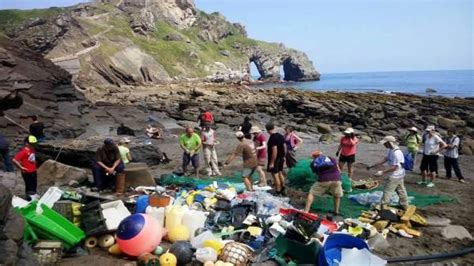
point(291, 158)
point(321, 188)
point(246, 172)
point(429, 163)
point(193, 159)
point(278, 167)
point(262, 161)
point(347, 159)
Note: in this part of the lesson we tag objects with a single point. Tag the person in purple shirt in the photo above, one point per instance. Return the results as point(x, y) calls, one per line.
point(329, 180)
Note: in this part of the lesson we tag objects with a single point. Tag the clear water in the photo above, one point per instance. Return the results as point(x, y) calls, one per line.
point(452, 83)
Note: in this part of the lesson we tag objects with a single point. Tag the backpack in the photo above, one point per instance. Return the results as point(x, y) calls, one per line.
point(206, 117)
point(408, 163)
point(459, 145)
point(321, 163)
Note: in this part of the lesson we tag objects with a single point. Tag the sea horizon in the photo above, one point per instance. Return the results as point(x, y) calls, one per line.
point(447, 83)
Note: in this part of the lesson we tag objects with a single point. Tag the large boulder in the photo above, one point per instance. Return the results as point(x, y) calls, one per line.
point(450, 123)
point(52, 173)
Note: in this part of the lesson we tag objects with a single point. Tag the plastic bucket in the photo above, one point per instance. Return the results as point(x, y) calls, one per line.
point(331, 251)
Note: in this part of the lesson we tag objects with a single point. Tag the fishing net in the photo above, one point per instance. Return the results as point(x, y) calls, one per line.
point(186, 181)
point(302, 177)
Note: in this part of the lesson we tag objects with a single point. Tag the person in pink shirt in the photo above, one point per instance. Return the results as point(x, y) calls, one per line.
point(260, 143)
point(347, 150)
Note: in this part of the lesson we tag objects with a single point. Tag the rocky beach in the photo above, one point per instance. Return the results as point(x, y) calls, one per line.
point(87, 69)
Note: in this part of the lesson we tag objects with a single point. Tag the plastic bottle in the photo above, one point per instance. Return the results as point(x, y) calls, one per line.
point(174, 216)
point(158, 213)
point(206, 254)
point(193, 220)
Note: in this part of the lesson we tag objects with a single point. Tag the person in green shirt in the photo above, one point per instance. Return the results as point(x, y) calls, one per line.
point(190, 142)
point(124, 150)
point(413, 141)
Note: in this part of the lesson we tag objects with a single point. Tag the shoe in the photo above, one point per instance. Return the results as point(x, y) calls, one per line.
point(430, 184)
point(421, 182)
point(210, 174)
point(217, 174)
point(462, 180)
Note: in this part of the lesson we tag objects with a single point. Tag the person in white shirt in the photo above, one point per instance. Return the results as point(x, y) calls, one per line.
point(451, 156)
point(209, 141)
point(432, 146)
point(395, 170)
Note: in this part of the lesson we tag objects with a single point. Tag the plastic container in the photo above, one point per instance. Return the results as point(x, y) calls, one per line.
point(174, 216)
point(193, 220)
point(198, 241)
point(50, 225)
point(52, 195)
point(206, 254)
point(157, 213)
point(114, 212)
point(142, 203)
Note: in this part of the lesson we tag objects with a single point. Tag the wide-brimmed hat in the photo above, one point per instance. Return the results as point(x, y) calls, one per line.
point(255, 129)
point(239, 134)
point(430, 128)
point(316, 154)
point(125, 140)
point(390, 139)
point(414, 129)
point(349, 130)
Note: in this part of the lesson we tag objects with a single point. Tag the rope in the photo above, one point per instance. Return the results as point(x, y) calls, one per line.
point(15, 123)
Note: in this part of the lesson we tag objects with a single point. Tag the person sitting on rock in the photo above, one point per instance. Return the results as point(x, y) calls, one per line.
point(347, 150)
point(153, 132)
point(25, 160)
point(37, 129)
point(108, 168)
point(124, 130)
point(329, 180)
point(293, 142)
point(413, 141)
point(245, 127)
point(125, 151)
point(190, 142)
point(249, 157)
point(5, 153)
point(395, 170)
point(432, 145)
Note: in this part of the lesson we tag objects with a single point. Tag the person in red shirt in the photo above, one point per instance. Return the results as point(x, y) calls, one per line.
point(347, 149)
point(25, 160)
point(260, 143)
point(205, 118)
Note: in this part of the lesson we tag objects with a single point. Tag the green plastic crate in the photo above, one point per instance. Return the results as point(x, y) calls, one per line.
point(50, 225)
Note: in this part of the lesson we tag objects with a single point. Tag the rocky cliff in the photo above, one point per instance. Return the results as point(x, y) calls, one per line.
point(146, 42)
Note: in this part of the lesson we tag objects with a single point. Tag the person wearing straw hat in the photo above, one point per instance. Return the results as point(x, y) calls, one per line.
point(125, 151)
point(347, 150)
point(260, 143)
point(329, 180)
point(432, 145)
point(395, 171)
point(25, 160)
point(249, 157)
point(413, 141)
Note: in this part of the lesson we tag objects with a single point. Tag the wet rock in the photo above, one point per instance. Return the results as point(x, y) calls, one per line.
point(327, 138)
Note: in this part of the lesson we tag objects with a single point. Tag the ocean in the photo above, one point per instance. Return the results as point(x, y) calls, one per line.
point(452, 83)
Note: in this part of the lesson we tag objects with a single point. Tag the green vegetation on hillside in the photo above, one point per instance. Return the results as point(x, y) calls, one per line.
point(12, 18)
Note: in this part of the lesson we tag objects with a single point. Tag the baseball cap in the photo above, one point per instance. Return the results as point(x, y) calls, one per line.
point(349, 131)
point(32, 139)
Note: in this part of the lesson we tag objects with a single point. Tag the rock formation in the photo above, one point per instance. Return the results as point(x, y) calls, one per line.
point(146, 42)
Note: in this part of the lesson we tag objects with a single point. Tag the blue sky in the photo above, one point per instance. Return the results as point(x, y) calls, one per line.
point(351, 35)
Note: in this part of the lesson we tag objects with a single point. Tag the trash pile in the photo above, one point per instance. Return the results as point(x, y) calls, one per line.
point(211, 224)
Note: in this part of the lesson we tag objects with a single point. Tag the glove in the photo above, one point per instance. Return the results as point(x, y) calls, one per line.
point(379, 173)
